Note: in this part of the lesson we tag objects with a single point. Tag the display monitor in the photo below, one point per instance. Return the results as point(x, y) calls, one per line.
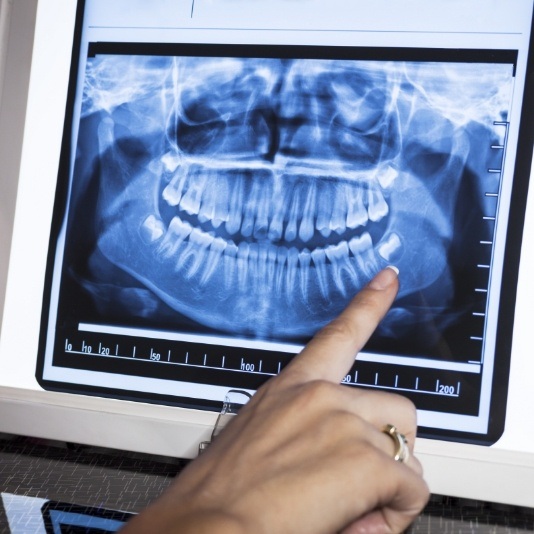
point(204, 185)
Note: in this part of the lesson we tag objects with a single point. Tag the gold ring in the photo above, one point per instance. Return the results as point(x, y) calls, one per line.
point(402, 452)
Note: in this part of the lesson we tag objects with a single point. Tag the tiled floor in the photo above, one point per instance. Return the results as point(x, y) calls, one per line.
point(91, 490)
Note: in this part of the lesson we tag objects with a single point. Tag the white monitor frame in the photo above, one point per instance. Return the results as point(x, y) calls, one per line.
point(500, 473)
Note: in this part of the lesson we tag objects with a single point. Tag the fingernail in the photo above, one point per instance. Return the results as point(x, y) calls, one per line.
point(384, 278)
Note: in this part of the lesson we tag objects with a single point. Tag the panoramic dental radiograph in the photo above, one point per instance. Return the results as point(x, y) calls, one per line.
point(255, 196)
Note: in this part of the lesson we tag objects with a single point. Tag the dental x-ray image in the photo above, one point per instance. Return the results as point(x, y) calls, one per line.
point(254, 196)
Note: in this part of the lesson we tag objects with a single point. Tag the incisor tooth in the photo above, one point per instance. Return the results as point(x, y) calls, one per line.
point(242, 265)
point(304, 270)
point(291, 272)
point(233, 224)
point(307, 229)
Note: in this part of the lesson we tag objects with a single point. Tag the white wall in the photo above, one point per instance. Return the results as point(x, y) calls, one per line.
point(17, 21)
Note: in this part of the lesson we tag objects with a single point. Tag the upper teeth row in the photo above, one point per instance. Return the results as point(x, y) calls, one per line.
point(263, 207)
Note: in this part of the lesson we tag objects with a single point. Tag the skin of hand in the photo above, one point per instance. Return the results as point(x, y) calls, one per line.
point(305, 454)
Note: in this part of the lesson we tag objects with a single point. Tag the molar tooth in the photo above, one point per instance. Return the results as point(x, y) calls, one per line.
point(152, 229)
point(338, 222)
point(176, 234)
point(192, 197)
point(196, 250)
point(214, 256)
point(319, 260)
point(356, 213)
point(391, 248)
point(304, 262)
point(209, 199)
point(386, 177)
point(294, 212)
point(339, 258)
point(233, 224)
point(307, 229)
point(291, 273)
point(172, 194)
point(362, 248)
point(377, 206)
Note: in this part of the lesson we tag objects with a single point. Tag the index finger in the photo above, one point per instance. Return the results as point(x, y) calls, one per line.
point(331, 353)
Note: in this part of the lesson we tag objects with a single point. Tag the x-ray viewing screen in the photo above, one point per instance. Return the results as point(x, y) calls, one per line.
point(218, 201)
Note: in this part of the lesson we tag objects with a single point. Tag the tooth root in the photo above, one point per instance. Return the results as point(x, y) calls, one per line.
point(172, 194)
point(324, 211)
point(192, 197)
point(386, 177)
point(304, 263)
point(271, 265)
point(362, 248)
point(294, 212)
point(307, 229)
point(251, 207)
point(291, 272)
point(242, 265)
point(230, 264)
point(176, 234)
point(356, 213)
point(195, 254)
point(281, 258)
point(319, 260)
point(339, 258)
point(152, 229)
point(233, 224)
point(377, 206)
point(255, 276)
point(263, 212)
point(281, 195)
point(213, 260)
point(338, 222)
point(222, 197)
point(391, 248)
point(209, 199)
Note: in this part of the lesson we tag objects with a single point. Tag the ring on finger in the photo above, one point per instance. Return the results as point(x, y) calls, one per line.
point(402, 452)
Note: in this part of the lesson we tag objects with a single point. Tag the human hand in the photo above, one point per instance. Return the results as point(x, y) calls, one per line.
point(305, 454)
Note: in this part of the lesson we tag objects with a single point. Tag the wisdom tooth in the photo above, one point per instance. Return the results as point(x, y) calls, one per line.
point(386, 177)
point(339, 258)
point(152, 229)
point(319, 260)
point(390, 248)
point(304, 262)
point(171, 161)
point(176, 234)
point(233, 224)
point(307, 229)
point(195, 251)
point(214, 256)
point(377, 205)
point(356, 213)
